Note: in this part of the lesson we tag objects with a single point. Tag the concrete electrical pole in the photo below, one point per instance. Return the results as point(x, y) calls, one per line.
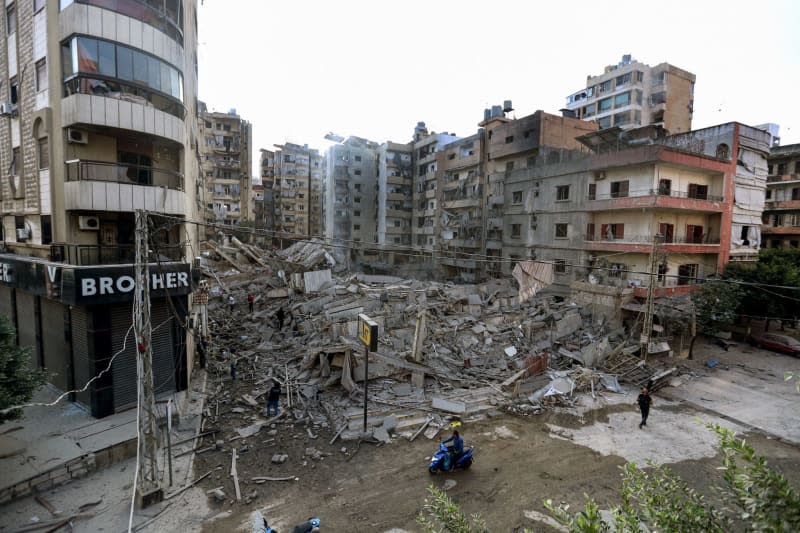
point(647, 327)
point(149, 489)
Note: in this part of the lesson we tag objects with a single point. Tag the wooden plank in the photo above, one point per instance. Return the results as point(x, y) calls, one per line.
point(235, 475)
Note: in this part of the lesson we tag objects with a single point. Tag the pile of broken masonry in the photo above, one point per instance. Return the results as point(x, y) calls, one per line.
point(445, 351)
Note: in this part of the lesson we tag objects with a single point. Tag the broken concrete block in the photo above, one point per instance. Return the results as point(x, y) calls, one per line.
point(279, 458)
point(510, 351)
point(390, 423)
point(382, 435)
point(451, 406)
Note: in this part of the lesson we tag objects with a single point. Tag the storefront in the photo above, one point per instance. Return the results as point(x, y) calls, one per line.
point(76, 318)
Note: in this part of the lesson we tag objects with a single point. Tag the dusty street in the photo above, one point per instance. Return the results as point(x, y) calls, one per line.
point(519, 462)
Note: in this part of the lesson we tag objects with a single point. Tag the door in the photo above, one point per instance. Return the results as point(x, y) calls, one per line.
point(665, 187)
point(667, 231)
point(694, 234)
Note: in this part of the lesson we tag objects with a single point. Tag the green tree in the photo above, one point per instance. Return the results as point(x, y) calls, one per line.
point(754, 496)
point(18, 381)
point(443, 514)
point(715, 307)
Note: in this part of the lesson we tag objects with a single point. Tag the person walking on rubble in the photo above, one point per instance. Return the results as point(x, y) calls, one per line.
point(644, 400)
point(250, 301)
point(234, 363)
point(280, 315)
point(231, 302)
point(273, 398)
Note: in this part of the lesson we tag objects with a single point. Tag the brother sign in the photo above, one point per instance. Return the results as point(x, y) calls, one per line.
point(103, 285)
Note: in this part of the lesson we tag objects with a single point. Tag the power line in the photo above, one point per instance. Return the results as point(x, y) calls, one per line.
point(411, 252)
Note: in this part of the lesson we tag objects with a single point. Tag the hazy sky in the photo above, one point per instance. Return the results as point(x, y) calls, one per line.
point(299, 69)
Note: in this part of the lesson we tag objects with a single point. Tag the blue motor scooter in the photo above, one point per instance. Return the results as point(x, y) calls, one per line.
point(443, 460)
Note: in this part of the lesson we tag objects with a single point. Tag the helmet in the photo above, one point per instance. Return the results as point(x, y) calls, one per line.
point(314, 522)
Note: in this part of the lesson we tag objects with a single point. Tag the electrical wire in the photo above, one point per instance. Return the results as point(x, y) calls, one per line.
point(482, 258)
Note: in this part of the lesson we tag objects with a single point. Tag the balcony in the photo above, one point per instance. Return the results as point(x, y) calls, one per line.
point(656, 198)
point(102, 186)
point(782, 204)
point(783, 177)
point(86, 254)
point(643, 244)
point(462, 202)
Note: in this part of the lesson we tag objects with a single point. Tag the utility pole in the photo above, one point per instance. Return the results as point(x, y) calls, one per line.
point(647, 327)
point(149, 489)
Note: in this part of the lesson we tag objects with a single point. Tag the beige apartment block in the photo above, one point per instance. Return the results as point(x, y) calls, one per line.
point(395, 201)
point(296, 192)
point(631, 94)
point(781, 219)
point(98, 103)
point(265, 211)
point(225, 146)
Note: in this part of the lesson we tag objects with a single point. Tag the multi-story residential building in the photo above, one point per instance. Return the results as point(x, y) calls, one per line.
point(599, 215)
point(99, 111)
point(297, 178)
point(265, 216)
point(351, 203)
point(781, 219)
point(631, 94)
point(424, 222)
point(395, 201)
point(225, 164)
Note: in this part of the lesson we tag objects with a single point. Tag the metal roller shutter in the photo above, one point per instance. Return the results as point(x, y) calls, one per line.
point(163, 347)
point(54, 345)
point(27, 325)
point(124, 367)
point(80, 352)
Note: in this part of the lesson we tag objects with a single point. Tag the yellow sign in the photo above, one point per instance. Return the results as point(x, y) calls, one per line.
point(368, 332)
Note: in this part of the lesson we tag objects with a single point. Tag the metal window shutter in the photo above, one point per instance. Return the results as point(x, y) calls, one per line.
point(124, 367)
point(80, 353)
point(163, 347)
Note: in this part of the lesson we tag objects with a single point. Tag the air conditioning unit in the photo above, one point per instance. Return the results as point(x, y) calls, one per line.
point(77, 136)
point(600, 175)
point(88, 223)
point(23, 234)
point(7, 109)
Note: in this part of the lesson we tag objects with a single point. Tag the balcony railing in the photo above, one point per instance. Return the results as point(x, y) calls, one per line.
point(648, 239)
point(90, 254)
point(79, 170)
point(656, 192)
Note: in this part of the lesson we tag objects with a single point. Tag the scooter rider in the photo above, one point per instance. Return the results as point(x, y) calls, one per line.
point(458, 446)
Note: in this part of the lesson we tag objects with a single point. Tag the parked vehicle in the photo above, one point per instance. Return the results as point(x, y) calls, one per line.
point(778, 343)
point(443, 461)
point(259, 525)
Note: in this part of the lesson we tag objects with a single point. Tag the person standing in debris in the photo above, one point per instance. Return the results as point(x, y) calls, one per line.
point(234, 363)
point(231, 302)
point(273, 398)
point(250, 301)
point(202, 347)
point(644, 400)
point(280, 315)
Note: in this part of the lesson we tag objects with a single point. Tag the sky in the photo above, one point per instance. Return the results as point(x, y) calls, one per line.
point(300, 69)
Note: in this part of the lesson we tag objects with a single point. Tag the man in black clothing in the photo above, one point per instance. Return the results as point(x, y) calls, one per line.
point(644, 400)
point(280, 315)
point(201, 351)
point(273, 396)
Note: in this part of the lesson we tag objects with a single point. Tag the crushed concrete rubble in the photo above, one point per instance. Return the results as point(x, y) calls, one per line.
point(445, 351)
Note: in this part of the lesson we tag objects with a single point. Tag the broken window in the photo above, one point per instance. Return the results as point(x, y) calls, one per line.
point(694, 234)
point(356, 227)
point(11, 20)
point(561, 231)
point(699, 192)
point(357, 172)
point(451, 156)
point(13, 90)
point(559, 266)
point(667, 232)
point(723, 151)
point(797, 167)
point(531, 162)
point(509, 166)
point(687, 274)
point(516, 197)
point(592, 191)
point(604, 123)
point(590, 231)
point(796, 193)
point(610, 232)
point(664, 187)
point(619, 189)
point(509, 139)
point(562, 193)
point(604, 87)
point(357, 158)
point(516, 230)
point(617, 270)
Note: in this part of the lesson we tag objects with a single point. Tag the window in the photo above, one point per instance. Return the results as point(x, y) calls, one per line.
point(516, 197)
point(796, 167)
point(610, 232)
point(357, 186)
point(527, 133)
point(357, 199)
point(561, 231)
point(14, 90)
point(664, 187)
point(781, 169)
point(562, 193)
point(796, 193)
point(624, 79)
point(667, 232)
point(768, 194)
point(619, 189)
point(604, 105)
point(622, 100)
point(11, 20)
point(509, 139)
point(357, 158)
point(559, 266)
point(694, 234)
point(43, 153)
point(16, 164)
point(38, 5)
point(699, 192)
point(531, 162)
point(356, 227)
point(509, 166)
point(357, 172)
point(604, 123)
point(41, 75)
point(687, 274)
point(604, 87)
point(516, 230)
point(396, 223)
point(723, 151)
point(592, 191)
point(590, 231)
point(589, 110)
point(620, 119)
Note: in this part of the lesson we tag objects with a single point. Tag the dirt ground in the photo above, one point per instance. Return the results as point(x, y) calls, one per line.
point(519, 462)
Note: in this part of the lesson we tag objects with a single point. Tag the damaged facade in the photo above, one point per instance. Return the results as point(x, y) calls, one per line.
point(395, 201)
point(781, 218)
point(225, 145)
point(631, 94)
point(296, 185)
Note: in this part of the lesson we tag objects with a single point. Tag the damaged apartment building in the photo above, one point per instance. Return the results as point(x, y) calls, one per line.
point(781, 219)
point(600, 214)
point(225, 166)
point(99, 106)
point(295, 181)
